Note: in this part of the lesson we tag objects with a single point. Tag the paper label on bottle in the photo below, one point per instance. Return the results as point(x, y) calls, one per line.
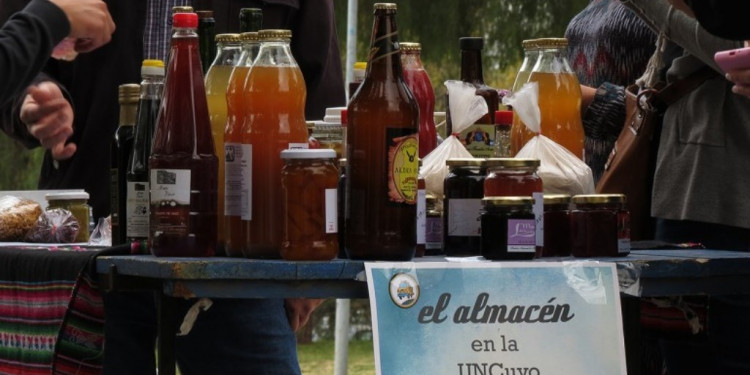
point(402, 149)
point(463, 217)
point(170, 201)
point(137, 209)
point(421, 216)
point(332, 210)
point(538, 210)
point(521, 236)
point(237, 178)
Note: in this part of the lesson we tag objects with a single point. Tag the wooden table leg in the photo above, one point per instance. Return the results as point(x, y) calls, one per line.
point(167, 331)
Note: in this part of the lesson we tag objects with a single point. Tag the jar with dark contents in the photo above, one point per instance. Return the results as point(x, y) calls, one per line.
point(77, 204)
point(512, 177)
point(556, 226)
point(464, 189)
point(309, 181)
point(433, 227)
point(508, 228)
point(599, 226)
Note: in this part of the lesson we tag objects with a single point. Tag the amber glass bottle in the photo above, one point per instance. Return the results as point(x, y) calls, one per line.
point(183, 163)
point(381, 184)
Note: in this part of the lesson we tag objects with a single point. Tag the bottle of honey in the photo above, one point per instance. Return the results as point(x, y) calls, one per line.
point(382, 155)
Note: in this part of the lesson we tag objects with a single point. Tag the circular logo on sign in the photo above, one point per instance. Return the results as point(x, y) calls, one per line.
point(404, 290)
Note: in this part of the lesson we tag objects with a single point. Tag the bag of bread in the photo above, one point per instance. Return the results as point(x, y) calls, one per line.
point(17, 217)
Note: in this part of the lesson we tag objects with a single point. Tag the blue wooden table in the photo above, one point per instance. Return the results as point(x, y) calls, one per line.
point(643, 273)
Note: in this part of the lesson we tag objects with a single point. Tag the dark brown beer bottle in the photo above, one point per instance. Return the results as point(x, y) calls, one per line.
point(382, 153)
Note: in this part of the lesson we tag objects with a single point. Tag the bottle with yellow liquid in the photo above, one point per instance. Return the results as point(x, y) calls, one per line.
point(559, 100)
point(217, 80)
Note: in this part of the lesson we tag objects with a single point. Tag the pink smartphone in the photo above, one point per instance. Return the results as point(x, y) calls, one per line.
point(733, 59)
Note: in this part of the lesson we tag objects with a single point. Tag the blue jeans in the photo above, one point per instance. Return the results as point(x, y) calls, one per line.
point(725, 348)
point(234, 336)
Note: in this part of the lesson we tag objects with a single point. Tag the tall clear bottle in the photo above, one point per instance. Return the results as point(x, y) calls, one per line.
point(237, 154)
point(382, 163)
point(137, 205)
point(183, 175)
point(122, 146)
point(559, 99)
point(274, 121)
point(217, 79)
point(419, 83)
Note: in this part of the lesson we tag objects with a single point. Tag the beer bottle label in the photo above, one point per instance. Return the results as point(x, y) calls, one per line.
point(403, 165)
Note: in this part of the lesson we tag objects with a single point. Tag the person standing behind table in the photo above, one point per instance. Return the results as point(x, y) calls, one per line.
point(608, 48)
point(700, 184)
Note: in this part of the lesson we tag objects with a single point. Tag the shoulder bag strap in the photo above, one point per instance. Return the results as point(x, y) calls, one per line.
point(677, 89)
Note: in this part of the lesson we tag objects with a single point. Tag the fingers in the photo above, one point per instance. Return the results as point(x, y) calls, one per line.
point(62, 151)
point(49, 118)
point(91, 23)
point(741, 79)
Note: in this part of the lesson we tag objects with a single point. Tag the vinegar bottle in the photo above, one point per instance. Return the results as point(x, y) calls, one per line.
point(382, 163)
point(559, 100)
point(419, 84)
point(237, 154)
point(122, 146)
point(274, 121)
point(183, 176)
point(217, 80)
point(137, 206)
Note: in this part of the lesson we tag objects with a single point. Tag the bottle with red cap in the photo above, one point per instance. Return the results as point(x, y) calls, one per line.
point(503, 124)
point(183, 163)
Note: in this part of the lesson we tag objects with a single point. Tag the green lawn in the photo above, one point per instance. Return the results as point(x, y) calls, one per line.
point(317, 358)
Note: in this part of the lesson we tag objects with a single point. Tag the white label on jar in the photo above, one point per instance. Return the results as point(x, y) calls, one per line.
point(463, 217)
point(332, 210)
point(237, 173)
point(137, 209)
point(521, 236)
point(538, 210)
point(421, 216)
point(294, 146)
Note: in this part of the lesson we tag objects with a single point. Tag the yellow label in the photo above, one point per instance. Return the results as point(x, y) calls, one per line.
point(403, 169)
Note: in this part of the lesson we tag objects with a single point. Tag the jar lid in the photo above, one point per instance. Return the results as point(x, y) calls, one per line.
point(274, 34)
point(599, 198)
point(556, 198)
point(508, 201)
point(410, 46)
point(152, 67)
point(512, 162)
point(67, 195)
point(251, 36)
point(552, 42)
point(305, 153)
point(465, 162)
point(227, 38)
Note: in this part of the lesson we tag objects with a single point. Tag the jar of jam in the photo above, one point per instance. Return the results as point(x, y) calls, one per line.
point(556, 226)
point(77, 203)
point(599, 225)
point(512, 177)
point(433, 227)
point(508, 228)
point(464, 189)
point(309, 181)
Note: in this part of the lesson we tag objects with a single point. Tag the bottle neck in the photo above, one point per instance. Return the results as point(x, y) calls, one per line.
point(552, 60)
point(411, 60)
point(128, 113)
point(384, 49)
point(227, 54)
point(471, 66)
point(152, 87)
point(275, 52)
point(185, 32)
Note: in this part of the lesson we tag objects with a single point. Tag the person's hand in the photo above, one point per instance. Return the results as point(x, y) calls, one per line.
point(298, 310)
point(90, 22)
point(49, 117)
point(741, 79)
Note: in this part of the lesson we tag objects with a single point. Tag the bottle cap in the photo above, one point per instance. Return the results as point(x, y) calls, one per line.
point(303, 153)
point(202, 14)
point(471, 43)
point(360, 65)
point(410, 47)
point(385, 6)
point(250, 36)
point(129, 93)
point(152, 68)
point(269, 34)
point(185, 20)
point(182, 9)
point(503, 117)
point(227, 38)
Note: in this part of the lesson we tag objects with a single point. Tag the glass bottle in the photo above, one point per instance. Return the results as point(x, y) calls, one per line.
point(206, 37)
point(137, 206)
point(559, 100)
point(274, 98)
point(122, 147)
point(477, 137)
point(217, 79)
point(530, 56)
point(183, 175)
point(382, 151)
point(251, 19)
point(237, 154)
point(419, 83)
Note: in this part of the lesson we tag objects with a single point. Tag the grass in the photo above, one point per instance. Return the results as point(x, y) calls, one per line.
point(317, 358)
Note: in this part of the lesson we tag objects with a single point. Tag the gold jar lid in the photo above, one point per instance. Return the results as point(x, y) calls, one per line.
point(552, 42)
point(465, 162)
point(507, 201)
point(385, 6)
point(512, 163)
point(598, 198)
point(128, 93)
point(410, 46)
point(227, 38)
point(556, 199)
point(251, 36)
point(270, 34)
point(182, 9)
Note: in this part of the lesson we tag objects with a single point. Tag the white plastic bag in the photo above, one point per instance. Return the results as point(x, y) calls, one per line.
point(466, 107)
point(561, 171)
point(434, 169)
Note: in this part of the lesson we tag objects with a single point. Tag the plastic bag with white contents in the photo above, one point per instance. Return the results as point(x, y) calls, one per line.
point(434, 168)
point(561, 171)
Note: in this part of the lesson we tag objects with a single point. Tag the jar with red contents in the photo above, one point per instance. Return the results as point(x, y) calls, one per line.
point(599, 226)
point(556, 226)
point(512, 177)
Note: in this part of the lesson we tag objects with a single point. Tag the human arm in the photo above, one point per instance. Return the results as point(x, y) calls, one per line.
point(298, 310)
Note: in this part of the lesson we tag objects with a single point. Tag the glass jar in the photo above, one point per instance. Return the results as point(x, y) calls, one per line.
point(329, 135)
point(77, 204)
point(464, 189)
point(309, 181)
point(512, 177)
point(433, 227)
point(599, 226)
point(508, 228)
point(556, 226)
